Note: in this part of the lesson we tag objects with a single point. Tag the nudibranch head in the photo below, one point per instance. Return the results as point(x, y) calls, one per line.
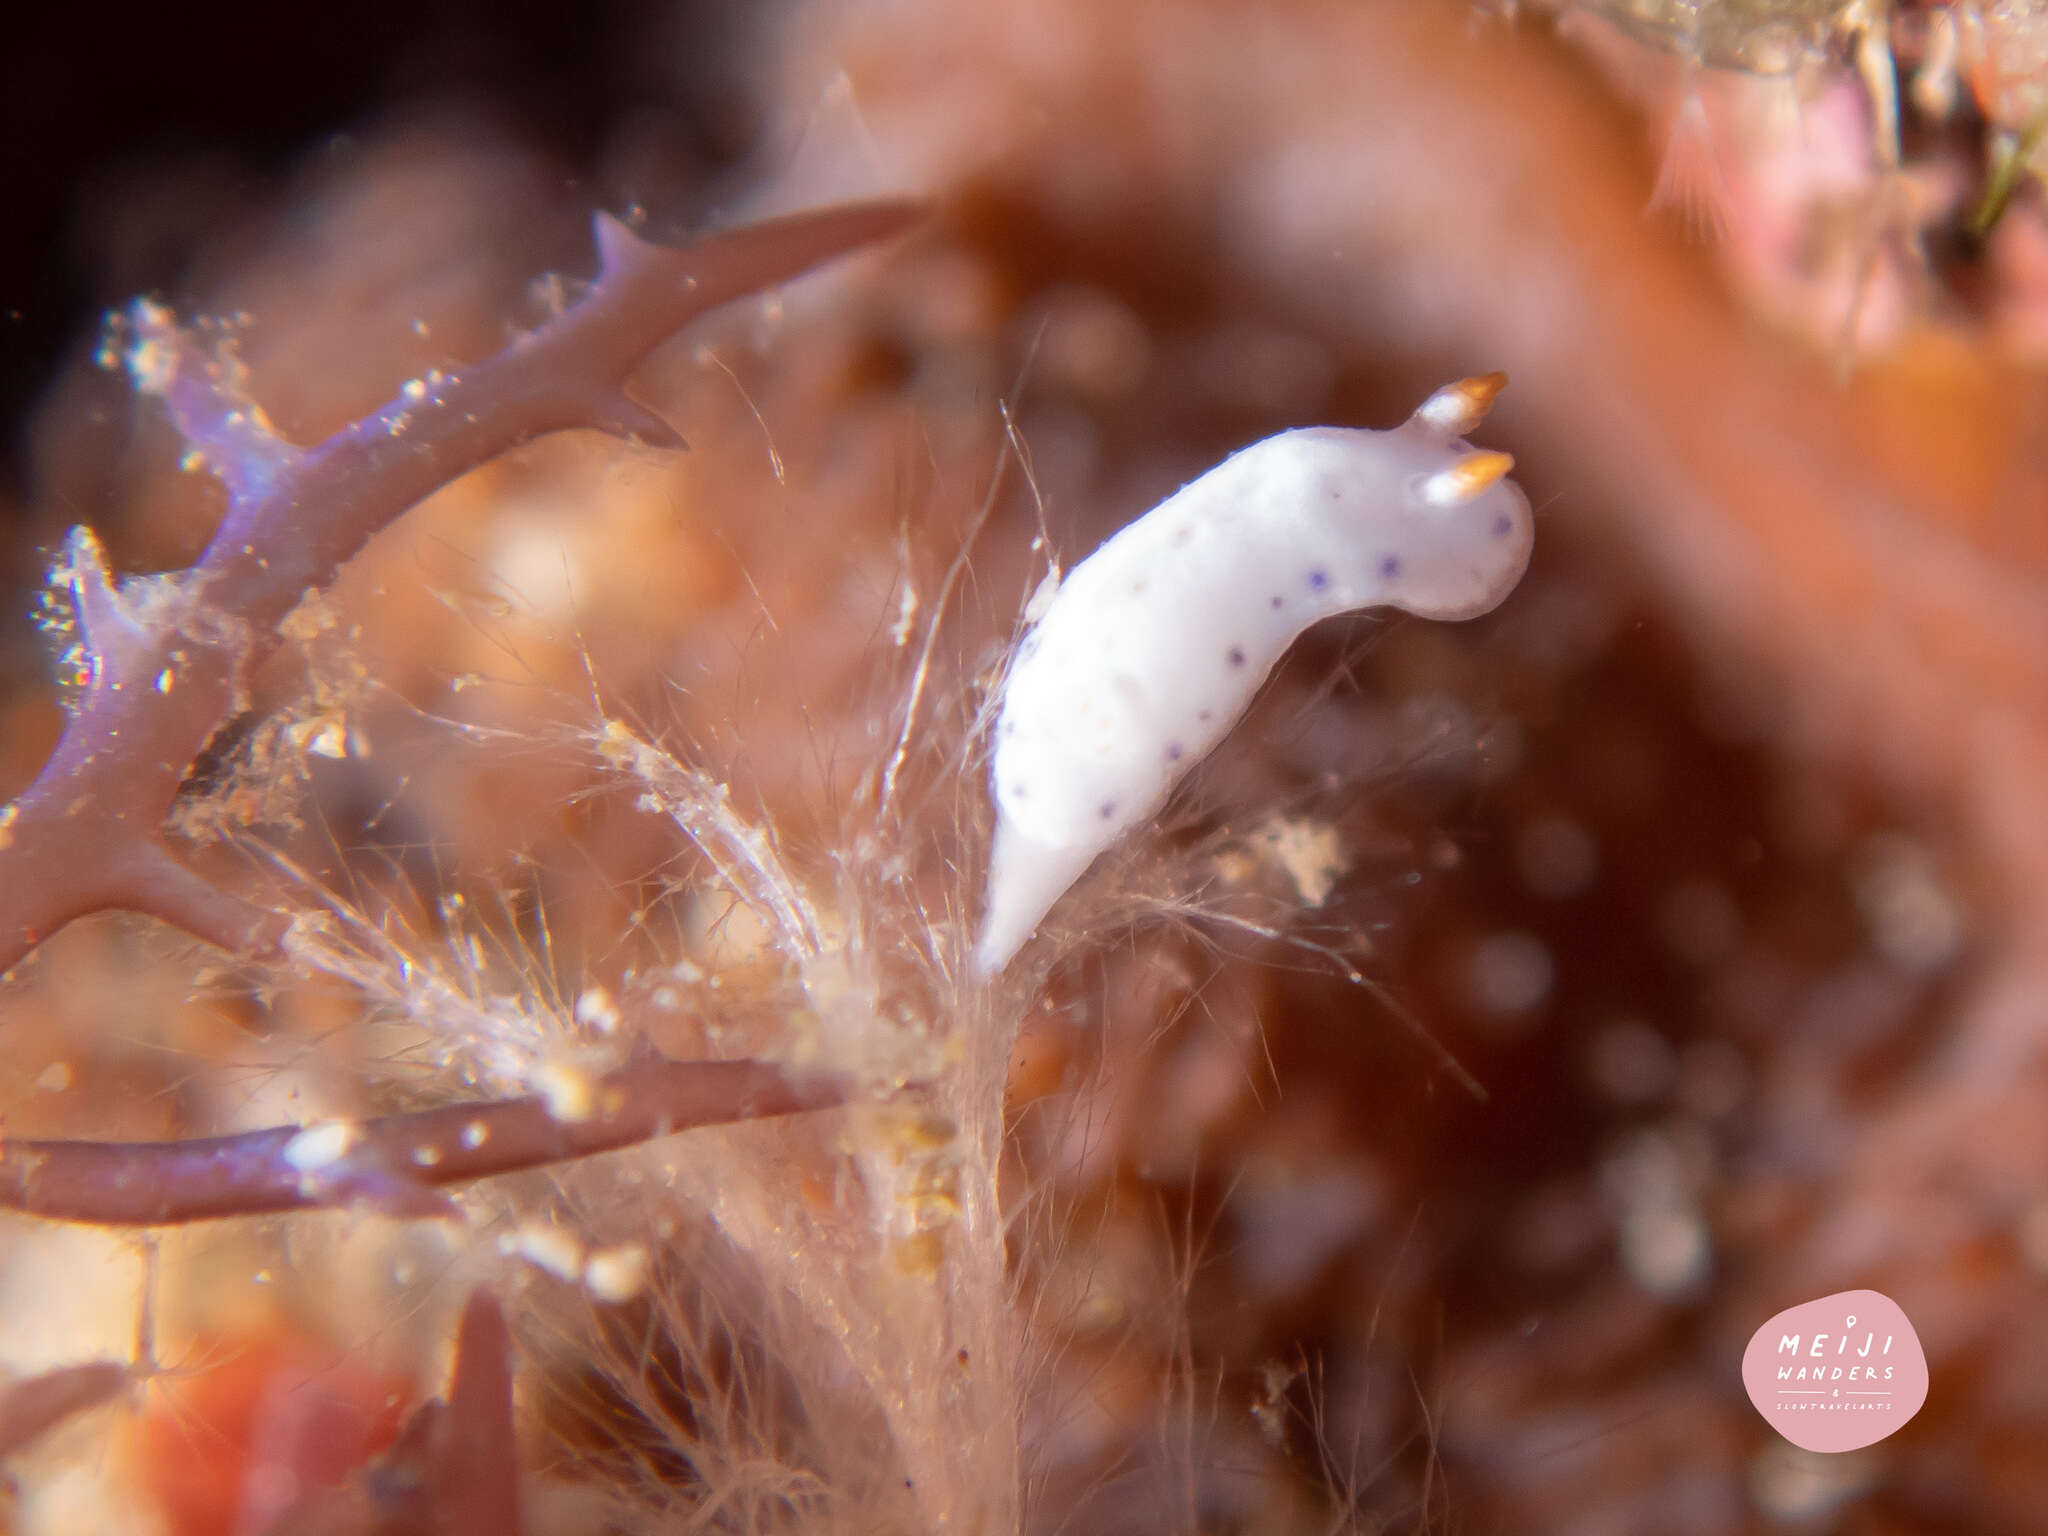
point(1462, 530)
point(1469, 526)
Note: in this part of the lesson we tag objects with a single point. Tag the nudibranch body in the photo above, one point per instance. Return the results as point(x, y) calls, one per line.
point(1154, 645)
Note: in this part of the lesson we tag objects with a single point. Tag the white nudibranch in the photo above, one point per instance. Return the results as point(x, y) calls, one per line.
point(1154, 645)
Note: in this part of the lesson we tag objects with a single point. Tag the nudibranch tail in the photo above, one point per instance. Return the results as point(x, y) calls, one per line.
point(1153, 646)
point(1025, 878)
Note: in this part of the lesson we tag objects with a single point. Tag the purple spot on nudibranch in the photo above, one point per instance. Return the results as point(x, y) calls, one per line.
point(1204, 716)
point(1107, 809)
point(1235, 655)
point(1317, 580)
point(1278, 602)
point(1174, 751)
point(1503, 526)
point(1390, 567)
